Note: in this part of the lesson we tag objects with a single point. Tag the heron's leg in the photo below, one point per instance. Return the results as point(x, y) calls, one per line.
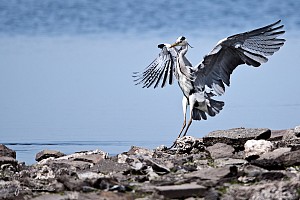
point(192, 102)
point(184, 108)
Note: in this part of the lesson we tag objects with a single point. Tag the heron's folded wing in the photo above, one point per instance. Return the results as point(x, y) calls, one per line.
point(161, 69)
point(251, 48)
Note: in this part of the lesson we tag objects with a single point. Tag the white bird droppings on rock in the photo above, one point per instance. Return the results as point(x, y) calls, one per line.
point(257, 147)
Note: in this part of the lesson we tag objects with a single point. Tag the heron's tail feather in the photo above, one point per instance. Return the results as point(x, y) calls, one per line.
point(215, 107)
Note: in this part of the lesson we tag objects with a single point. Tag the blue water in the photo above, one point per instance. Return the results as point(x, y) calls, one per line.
point(66, 66)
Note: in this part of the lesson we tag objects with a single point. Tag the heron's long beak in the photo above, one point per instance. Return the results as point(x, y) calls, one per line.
point(174, 45)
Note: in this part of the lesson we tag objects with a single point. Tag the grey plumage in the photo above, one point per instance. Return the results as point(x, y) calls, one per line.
point(200, 83)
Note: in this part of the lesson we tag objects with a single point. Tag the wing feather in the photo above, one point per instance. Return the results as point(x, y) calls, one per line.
point(251, 48)
point(160, 70)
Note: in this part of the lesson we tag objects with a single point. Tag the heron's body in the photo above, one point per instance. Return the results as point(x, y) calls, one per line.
point(206, 80)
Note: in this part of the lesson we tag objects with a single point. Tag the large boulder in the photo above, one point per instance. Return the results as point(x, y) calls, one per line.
point(236, 137)
point(5, 151)
point(47, 154)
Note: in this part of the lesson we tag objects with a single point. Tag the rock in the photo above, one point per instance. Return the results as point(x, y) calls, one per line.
point(275, 190)
point(7, 152)
point(220, 150)
point(181, 191)
point(47, 154)
point(4, 160)
point(278, 159)
point(212, 173)
point(289, 135)
point(158, 168)
point(277, 135)
point(107, 166)
point(92, 158)
point(45, 173)
point(236, 137)
point(221, 162)
point(192, 172)
point(189, 144)
point(122, 158)
point(293, 143)
point(253, 171)
point(9, 189)
point(137, 151)
point(255, 148)
point(297, 131)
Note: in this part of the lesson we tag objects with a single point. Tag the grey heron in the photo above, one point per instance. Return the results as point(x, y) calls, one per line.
point(208, 79)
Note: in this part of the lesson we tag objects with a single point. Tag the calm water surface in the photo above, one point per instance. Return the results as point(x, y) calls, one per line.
point(66, 66)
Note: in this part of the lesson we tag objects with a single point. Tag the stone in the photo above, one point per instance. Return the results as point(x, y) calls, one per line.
point(158, 168)
point(221, 162)
point(255, 148)
point(236, 137)
point(287, 143)
point(45, 173)
point(181, 191)
point(7, 152)
point(220, 150)
point(253, 171)
point(212, 173)
point(189, 144)
point(107, 166)
point(4, 160)
point(278, 159)
point(47, 154)
point(140, 151)
point(122, 158)
point(289, 135)
point(297, 131)
point(277, 135)
point(274, 190)
point(92, 158)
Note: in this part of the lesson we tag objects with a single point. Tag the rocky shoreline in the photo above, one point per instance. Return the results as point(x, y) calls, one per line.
point(237, 163)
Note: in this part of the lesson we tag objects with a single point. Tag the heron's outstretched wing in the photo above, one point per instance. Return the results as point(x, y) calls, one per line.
point(162, 68)
point(251, 48)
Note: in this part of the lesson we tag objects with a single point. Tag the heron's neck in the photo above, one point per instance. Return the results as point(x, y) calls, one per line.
point(183, 51)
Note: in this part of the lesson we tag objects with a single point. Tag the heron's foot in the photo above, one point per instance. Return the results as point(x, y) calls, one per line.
point(174, 144)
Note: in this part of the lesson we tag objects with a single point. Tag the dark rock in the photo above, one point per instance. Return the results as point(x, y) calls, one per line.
point(7, 152)
point(278, 159)
point(293, 143)
point(236, 137)
point(182, 191)
point(220, 150)
point(8, 160)
point(272, 175)
point(47, 154)
point(72, 183)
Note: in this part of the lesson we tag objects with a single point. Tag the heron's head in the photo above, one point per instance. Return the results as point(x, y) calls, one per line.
point(181, 41)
